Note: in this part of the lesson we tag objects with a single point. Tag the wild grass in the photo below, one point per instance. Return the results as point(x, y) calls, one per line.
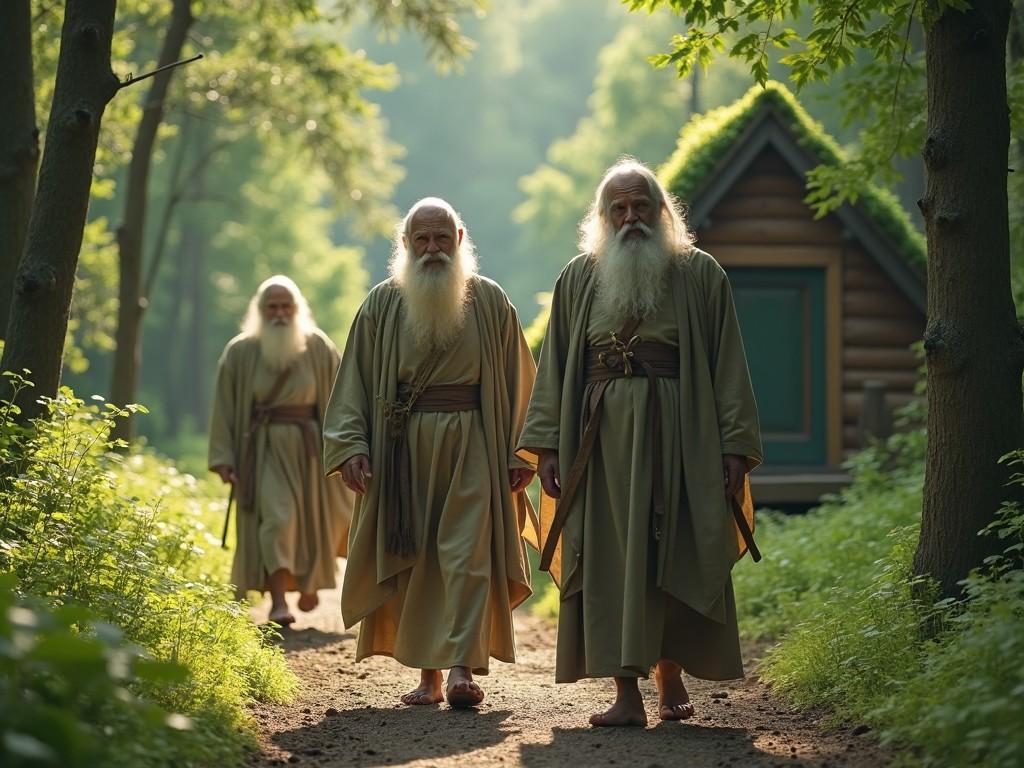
point(135, 545)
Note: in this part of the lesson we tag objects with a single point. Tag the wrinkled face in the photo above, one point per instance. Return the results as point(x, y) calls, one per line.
point(278, 306)
point(433, 237)
point(630, 202)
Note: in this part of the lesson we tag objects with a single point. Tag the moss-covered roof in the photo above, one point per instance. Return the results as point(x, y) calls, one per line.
point(705, 141)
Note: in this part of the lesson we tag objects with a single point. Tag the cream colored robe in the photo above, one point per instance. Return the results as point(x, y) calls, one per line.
point(299, 520)
point(450, 603)
point(628, 600)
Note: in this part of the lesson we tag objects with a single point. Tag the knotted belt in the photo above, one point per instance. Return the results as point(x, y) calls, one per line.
point(625, 357)
point(440, 398)
point(302, 416)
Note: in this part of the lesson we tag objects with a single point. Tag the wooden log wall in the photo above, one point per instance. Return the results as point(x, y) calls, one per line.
point(764, 210)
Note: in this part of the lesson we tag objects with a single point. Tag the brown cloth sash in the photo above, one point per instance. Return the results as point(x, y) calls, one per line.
point(302, 416)
point(626, 356)
point(440, 398)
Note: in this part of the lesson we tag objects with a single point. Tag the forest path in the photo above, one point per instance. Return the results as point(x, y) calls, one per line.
point(348, 714)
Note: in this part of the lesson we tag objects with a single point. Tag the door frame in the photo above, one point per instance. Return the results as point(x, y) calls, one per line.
point(829, 258)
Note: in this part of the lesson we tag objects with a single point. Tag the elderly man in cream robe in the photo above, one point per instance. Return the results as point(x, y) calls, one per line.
point(273, 383)
point(645, 424)
point(423, 424)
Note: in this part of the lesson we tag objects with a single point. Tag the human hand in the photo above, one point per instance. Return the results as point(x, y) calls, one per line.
point(547, 469)
point(225, 473)
point(519, 478)
point(355, 472)
point(734, 468)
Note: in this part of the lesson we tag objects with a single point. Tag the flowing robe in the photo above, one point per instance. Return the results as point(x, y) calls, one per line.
point(299, 519)
point(450, 602)
point(627, 599)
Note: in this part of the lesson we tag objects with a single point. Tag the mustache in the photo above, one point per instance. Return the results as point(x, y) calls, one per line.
point(636, 226)
point(433, 258)
point(279, 321)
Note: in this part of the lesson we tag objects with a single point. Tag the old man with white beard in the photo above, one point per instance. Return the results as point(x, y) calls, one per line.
point(422, 424)
point(273, 383)
point(645, 423)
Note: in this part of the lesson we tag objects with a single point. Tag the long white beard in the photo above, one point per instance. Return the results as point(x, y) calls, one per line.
point(435, 299)
point(631, 272)
point(281, 344)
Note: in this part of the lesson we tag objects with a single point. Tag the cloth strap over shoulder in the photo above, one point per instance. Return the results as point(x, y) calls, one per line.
point(579, 464)
point(260, 415)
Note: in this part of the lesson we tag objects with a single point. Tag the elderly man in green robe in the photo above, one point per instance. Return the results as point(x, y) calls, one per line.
point(423, 424)
point(645, 424)
point(273, 383)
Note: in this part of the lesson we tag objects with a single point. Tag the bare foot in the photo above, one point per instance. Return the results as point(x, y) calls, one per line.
point(429, 691)
point(674, 700)
point(461, 690)
point(279, 614)
point(308, 601)
point(628, 709)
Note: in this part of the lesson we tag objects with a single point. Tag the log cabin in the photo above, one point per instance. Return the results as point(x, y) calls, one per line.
point(830, 307)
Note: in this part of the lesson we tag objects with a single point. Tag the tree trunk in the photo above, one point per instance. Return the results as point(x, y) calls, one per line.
point(19, 144)
point(173, 392)
point(973, 344)
point(131, 233)
point(194, 367)
point(45, 278)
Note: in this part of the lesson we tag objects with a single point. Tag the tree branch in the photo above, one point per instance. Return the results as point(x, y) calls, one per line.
point(131, 80)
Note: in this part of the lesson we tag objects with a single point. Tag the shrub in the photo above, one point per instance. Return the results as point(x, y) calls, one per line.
point(65, 688)
point(966, 704)
point(944, 679)
point(808, 558)
point(76, 531)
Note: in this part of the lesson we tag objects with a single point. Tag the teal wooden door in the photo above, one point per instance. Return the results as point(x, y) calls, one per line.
point(782, 316)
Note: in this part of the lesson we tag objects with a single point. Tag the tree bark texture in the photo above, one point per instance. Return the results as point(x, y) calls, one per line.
point(973, 344)
point(131, 233)
point(19, 144)
point(45, 278)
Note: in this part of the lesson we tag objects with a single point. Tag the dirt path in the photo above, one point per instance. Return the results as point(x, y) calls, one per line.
point(346, 714)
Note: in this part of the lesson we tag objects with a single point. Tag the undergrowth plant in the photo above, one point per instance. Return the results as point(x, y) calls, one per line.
point(944, 681)
point(129, 539)
point(65, 687)
point(811, 559)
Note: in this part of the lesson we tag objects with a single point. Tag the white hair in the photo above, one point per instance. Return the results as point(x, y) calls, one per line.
point(252, 323)
point(594, 229)
point(466, 251)
point(435, 299)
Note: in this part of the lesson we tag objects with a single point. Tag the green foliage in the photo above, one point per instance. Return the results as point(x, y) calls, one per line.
point(965, 705)
point(626, 93)
point(880, 39)
point(812, 559)
point(66, 684)
point(132, 541)
point(861, 636)
point(704, 142)
point(535, 331)
point(862, 639)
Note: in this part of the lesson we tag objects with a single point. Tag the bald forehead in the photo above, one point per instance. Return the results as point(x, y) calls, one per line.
point(431, 217)
point(630, 184)
point(277, 293)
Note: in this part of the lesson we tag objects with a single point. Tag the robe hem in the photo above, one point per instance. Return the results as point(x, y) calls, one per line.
point(634, 672)
point(508, 659)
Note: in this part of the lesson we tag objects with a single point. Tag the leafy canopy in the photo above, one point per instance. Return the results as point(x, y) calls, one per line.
point(881, 39)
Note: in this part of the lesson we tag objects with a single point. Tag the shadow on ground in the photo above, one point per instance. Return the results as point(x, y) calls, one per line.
point(309, 638)
point(664, 745)
point(375, 736)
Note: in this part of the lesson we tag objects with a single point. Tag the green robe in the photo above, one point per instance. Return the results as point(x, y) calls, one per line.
point(628, 600)
point(450, 602)
point(299, 520)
